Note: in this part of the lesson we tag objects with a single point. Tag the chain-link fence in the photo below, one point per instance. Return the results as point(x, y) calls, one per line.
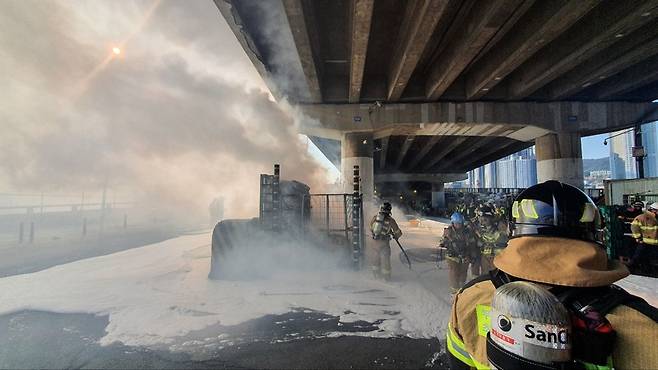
point(331, 215)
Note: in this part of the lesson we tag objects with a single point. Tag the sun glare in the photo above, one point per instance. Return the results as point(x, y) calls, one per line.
point(116, 50)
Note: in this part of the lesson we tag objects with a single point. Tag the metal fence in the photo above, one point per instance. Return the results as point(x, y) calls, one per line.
point(592, 192)
point(331, 215)
point(646, 198)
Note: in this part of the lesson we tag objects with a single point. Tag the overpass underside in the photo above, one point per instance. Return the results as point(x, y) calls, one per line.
point(425, 90)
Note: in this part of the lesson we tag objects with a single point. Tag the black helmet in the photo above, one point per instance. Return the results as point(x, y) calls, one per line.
point(386, 207)
point(486, 211)
point(555, 209)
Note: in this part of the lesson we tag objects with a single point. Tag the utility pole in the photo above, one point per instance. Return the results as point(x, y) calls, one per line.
point(638, 151)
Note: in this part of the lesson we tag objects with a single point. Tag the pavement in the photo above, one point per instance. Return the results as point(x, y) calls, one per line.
point(301, 338)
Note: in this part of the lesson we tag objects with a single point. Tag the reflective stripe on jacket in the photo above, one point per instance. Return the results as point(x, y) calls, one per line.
point(645, 227)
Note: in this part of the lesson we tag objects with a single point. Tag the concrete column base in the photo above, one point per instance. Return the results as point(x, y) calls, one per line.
point(566, 170)
point(438, 196)
point(559, 157)
point(357, 149)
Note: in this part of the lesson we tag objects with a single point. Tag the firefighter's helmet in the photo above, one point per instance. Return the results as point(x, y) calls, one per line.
point(386, 208)
point(556, 209)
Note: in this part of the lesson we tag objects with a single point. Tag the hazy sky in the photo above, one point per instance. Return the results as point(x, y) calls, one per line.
point(593, 146)
point(180, 114)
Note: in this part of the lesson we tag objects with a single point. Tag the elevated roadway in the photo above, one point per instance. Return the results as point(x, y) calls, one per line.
point(421, 91)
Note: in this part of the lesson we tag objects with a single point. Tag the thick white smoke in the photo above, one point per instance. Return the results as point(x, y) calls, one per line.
point(178, 117)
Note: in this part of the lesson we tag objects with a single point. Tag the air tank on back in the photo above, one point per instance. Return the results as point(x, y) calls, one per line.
point(528, 325)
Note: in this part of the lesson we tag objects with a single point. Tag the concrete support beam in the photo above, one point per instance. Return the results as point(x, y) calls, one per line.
point(502, 152)
point(598, 30)
point(361, 13)
point(629, 50)
point(447, 149)
point(485, 152)
point(383, 152)
point(409, 140)
point(484, 20)
point(640, 74)
point(423, 152)
point(545, 21)
point(300, 32)
point(357, 149)
point(559, 157)
point(434, 178)
point(522, 121)
point(420, 19)
point(438, 196)
point(467, 151)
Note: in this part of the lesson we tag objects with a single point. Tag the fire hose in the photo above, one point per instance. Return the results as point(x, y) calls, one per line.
point(404, 252)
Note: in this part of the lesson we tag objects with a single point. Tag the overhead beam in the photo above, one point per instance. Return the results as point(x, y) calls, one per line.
point(545, 21)
point(630, 79)
point(468, 150)
point(403, 150)
point(602, 27)
point(423, 152)
point(630, 50)
point(384, 152)
point(498, 154)
point(482, 23)
point(434, 178)
point(490, 152)
point(457, 141)
point(361, 13)
point(420, 19)
point(502, 32)
point(300, 32)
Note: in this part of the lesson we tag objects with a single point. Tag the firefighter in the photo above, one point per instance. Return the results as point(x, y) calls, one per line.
point(490, 238)
point(555, 243)
point(459, 240)
point(644, 229)
point(383, 228)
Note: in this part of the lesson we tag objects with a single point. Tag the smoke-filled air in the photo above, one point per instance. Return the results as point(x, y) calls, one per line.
point(154, 99)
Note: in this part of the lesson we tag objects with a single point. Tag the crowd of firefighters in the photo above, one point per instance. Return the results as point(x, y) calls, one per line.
point(477, 232)
point(549, 246)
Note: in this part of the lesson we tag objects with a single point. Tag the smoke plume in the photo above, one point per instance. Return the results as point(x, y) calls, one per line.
point(177, 117)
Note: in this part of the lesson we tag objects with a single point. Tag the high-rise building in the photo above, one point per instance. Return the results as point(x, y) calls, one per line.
point(490, 175)
point(518, 170)
point(622, 163)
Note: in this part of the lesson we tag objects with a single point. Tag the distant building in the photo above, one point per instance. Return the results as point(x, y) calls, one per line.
point(622, 163)
point(518, 170)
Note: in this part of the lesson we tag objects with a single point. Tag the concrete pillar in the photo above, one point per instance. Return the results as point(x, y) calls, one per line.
point(357, 149)
point(438, 196)
point(559, 157)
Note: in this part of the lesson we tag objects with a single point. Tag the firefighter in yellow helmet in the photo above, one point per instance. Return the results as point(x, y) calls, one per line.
point(383, 227)
point(555, 245)
point(491, 238)
point(645, 231)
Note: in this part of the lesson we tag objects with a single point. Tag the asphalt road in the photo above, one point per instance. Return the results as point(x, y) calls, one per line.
point(34, 339)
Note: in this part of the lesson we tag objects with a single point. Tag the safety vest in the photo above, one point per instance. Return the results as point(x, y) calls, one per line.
point(645, 227)
point(489, 238)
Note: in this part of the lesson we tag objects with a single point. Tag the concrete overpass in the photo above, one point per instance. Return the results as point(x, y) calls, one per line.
point(421, 91)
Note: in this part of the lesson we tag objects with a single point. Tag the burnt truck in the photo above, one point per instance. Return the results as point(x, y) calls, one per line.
point(288, 213)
